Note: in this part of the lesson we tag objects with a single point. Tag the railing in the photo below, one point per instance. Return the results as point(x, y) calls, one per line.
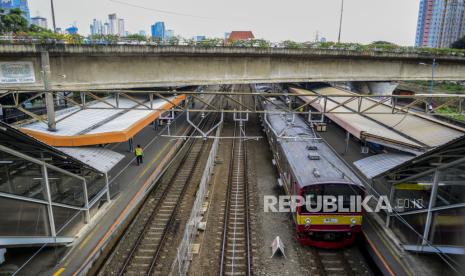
point(180, 265)
point(219, 42)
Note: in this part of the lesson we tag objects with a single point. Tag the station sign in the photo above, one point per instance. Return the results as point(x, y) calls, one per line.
point(17, 72)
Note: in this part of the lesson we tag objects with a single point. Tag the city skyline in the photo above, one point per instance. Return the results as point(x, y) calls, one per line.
point(293, 20)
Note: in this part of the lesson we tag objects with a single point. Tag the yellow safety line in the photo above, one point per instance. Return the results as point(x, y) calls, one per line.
point(59, 271)
point(394, 255)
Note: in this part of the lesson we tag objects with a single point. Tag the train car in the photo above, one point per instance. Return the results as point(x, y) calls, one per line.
point(309, 167)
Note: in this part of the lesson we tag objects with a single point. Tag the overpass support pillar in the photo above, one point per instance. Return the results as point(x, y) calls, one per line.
point(49, 103)
point(374, 87)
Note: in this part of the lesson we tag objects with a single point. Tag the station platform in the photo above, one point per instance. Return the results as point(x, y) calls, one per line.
point(129, 184)
point(379, 241)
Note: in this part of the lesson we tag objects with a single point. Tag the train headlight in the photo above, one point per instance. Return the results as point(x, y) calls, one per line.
point(353, 222)
point(307, 221)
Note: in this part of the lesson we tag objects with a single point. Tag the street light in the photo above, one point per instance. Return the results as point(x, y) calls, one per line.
point(340, 22)
point(53, 17)
point(433, 68)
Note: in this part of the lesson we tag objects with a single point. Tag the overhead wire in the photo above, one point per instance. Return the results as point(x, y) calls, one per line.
point(159, 10)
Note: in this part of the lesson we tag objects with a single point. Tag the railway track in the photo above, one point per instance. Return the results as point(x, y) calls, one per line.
point(140, 249)
point(338, 262)
point(236, 251)
point(143, 256)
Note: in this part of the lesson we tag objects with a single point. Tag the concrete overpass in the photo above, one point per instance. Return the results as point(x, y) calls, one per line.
point(128, 66)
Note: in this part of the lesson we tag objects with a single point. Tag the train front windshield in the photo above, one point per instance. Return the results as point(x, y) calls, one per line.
point(345, 192)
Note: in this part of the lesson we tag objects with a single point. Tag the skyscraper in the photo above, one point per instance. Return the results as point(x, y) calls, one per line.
point(113, 21)
point(106, 28)
point(121, 30)
point(7, 5)
point(169, 34)
point(440, 23)
point(158, 31)
point(96, 28)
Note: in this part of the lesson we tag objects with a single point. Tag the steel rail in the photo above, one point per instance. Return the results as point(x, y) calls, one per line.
point(167, 189)
point(173, 215)
point(241, 157)
point(140, 237)
point(226, 209)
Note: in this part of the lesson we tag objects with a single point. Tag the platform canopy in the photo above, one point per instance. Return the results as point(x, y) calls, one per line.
point(379, 122)
point(98, 158)
point(110, 120)
point(380, 163)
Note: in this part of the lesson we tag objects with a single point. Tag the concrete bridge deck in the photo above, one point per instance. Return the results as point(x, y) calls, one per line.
point(130, 66)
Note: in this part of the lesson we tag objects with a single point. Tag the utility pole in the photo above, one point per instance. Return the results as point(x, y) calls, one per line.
point(433, 67)
point(431, 86)
point(53, 17)
point(340, 22)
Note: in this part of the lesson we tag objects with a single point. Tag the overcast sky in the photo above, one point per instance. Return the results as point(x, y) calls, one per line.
point(275, 20)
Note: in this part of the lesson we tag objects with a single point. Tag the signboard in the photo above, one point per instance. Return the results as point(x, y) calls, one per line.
point(17, 72)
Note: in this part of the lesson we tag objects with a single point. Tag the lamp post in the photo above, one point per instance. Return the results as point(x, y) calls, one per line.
point(53, 17)
point(340, 22)
point(433, 69)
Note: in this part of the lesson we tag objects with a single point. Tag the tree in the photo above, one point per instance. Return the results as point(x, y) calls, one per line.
point(459, 44)
point(37, 29)
point(13, 22)
point(292, 44)
point(380, 42)
point(137, 37)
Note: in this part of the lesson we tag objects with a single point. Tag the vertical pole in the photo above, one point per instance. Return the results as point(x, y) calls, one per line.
point(53, 16)
point(346, 150)
point(130, 145)
point(45, 63)
point(151, 100)
point(83, 100)
point(117, 100)
point(107, 183)
point(433, 68)
point(391, 198)
point(8, 179)
point(86, 200)
point(340, 23)
point(51, 219)
point(432, 204)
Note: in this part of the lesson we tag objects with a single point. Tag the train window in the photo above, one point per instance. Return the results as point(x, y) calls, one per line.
point(337, 190)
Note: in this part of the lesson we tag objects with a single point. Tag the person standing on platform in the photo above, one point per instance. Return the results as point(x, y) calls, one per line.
point(139, 155)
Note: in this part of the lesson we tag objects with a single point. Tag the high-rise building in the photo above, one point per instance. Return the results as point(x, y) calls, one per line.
point(440, 23)
point(158, 31)
point(106, 29)
point(113, 21)
point(199, 38)
point(39, 21)
point(169, 34)
point(121, 30)
point(96, 28)
point(7, 5)
point(113, 26)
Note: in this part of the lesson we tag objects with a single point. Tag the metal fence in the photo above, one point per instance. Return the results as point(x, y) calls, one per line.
point(181, 264)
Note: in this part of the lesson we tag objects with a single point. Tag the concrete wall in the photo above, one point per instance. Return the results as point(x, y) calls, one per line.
point(80, 67)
